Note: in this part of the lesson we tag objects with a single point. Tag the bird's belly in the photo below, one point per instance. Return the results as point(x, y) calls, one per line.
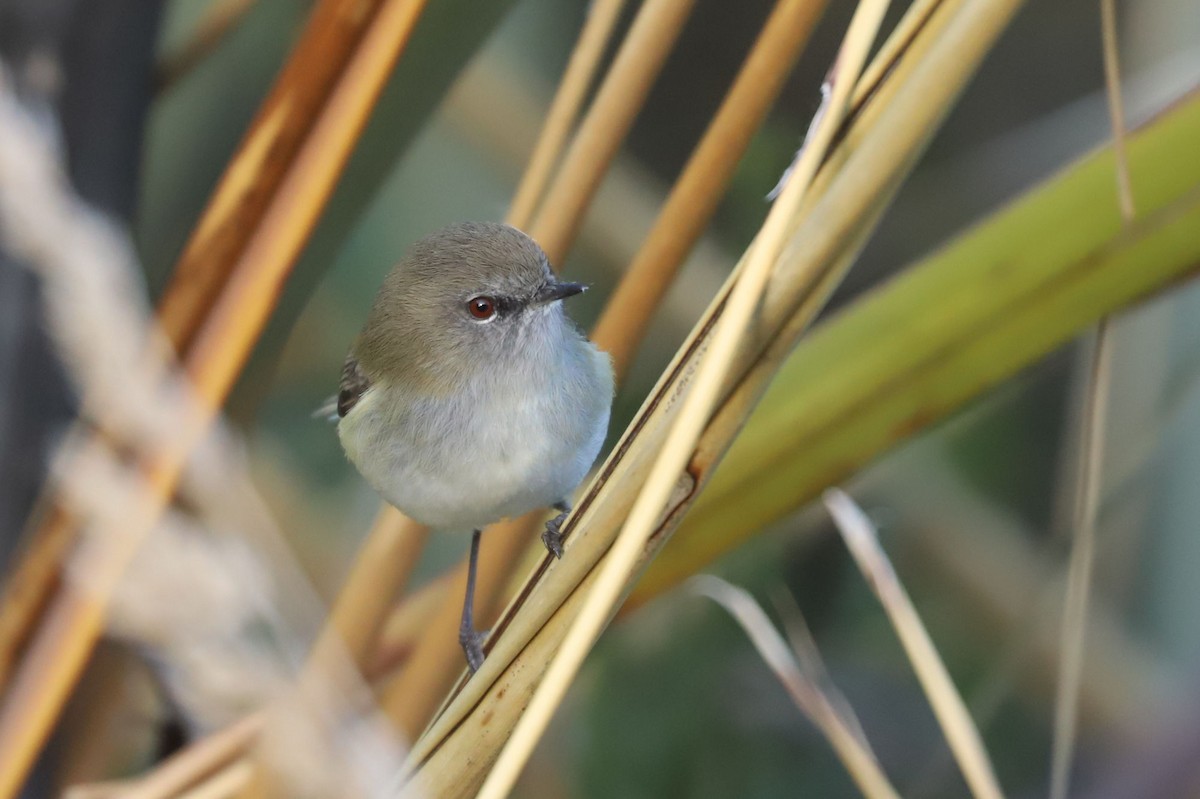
point(451, 469)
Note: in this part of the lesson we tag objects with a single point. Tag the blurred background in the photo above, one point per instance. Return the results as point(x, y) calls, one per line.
point(675, 702)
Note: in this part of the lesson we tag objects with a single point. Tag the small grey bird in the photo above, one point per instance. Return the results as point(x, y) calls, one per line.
point(470, 396)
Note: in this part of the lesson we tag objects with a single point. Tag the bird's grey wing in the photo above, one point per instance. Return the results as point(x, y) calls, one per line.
point(354, 384)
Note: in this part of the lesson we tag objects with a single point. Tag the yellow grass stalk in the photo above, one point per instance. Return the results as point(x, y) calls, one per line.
point(263, 161)
point(701, 399)
point(223, 784)
point(695, 195)
point(451, 757)
point(637, 63)
point(948, 706)
point(75, 619)
point(843, 733)
point(190, 766)
point(564, 109)
point(1091, 458)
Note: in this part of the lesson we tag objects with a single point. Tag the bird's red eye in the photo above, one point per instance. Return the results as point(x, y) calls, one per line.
point(481, 307)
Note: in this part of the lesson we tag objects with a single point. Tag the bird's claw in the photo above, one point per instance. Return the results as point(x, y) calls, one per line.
point(472, 646)
point(552, 536)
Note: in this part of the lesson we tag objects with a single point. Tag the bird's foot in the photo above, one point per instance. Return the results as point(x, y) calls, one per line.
point(552, 536)
point(472, 646)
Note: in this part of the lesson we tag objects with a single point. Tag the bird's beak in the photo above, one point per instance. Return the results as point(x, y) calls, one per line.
point(554, 292)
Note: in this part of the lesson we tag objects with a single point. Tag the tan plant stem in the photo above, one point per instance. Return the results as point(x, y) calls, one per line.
point(1091, 459)
point(948, 706)
point(637, 63)
point(695, 195)
point(193, 764)
point(564, 109)
point(826, 713)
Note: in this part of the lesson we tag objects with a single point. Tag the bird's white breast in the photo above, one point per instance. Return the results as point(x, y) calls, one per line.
point(496, 449)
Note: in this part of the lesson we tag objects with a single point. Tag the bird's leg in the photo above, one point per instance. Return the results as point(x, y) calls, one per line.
point(552, 536)
point(471, 640)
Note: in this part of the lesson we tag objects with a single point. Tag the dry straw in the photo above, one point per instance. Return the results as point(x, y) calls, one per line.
point(827, 713)
point(948, 706)
point(1091, 455)
point(564, 109)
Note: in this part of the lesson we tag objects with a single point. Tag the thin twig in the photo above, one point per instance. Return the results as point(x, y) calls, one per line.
point(1091, 457)
point(191, 765)
point(224, 784)
point(947, 703)
point(829, 716)
point(1116, 107)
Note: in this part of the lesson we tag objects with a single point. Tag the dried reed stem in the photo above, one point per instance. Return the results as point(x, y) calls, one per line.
point(637, 63)
point(564, 109)
point(947, 704)
point(681, 441)
point(915, 18)
point(695, 195)
point(264, 158)
point(1091, 458)
point(28, 589)
point(1116, 107)
point(826, 714)
point(223, 784)
point(379, 574)
point(862, 134)
point(193, 764)
point(405, 623)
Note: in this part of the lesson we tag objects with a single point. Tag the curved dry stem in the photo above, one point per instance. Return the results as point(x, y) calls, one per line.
point(828, 714)
point(1091, 458)
point(948, 706)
